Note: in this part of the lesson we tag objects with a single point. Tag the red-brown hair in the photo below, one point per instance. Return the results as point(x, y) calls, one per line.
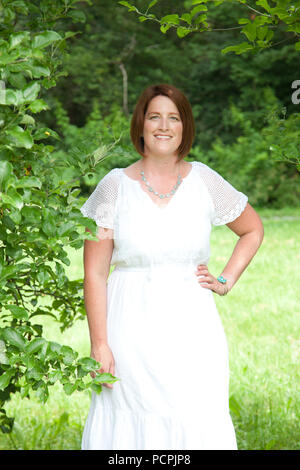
point(183, 106)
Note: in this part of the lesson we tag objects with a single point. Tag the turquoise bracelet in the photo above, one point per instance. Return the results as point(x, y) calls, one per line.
point(222, 279)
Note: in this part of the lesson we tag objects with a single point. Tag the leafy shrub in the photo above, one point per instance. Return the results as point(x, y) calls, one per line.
point(39, 211)
point(262, 164)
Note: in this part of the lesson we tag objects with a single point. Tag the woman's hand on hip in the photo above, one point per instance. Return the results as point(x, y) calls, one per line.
point(208, 281)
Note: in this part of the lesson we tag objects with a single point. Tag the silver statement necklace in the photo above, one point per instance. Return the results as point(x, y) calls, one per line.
point(161, 196)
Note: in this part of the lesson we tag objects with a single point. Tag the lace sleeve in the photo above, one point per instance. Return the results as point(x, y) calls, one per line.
point(228, 202)
point(100, 205)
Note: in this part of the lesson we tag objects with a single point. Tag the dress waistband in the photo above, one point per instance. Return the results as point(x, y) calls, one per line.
point(162, 267)
point(152, 272)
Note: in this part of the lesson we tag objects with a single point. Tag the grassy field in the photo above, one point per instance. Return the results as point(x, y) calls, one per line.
point(261, 317)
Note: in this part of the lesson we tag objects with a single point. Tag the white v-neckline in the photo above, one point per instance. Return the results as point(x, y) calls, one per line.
point(165, 206)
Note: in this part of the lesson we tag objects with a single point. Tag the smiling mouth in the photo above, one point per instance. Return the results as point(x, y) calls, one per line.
point(163, 137)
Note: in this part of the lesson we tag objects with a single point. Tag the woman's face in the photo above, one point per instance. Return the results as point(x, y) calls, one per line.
point(162, 127)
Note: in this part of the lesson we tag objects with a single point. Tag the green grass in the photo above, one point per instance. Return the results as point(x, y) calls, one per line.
point(261, 320)
point(261, 317)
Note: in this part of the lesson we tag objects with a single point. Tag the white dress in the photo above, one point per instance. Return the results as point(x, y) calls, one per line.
point(163, 327)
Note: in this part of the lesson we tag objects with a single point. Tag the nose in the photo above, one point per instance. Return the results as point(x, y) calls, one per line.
point(163, 124)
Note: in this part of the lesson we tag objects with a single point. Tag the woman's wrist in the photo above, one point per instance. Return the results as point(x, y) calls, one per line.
point(227, 282)
point(98, 344)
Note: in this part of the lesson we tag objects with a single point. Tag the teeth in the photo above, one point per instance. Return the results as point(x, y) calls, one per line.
point(163, 137)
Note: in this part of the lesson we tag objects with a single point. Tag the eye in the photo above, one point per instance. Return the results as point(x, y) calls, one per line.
point(174, 117)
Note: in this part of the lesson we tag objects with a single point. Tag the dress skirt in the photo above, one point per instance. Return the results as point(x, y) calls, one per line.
point(171, 357)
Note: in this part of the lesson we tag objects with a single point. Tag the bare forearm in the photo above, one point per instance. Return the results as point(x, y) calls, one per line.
point(95, 299)
point(244, 250)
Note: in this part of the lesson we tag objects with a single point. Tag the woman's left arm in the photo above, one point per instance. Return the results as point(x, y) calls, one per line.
point(248, 226)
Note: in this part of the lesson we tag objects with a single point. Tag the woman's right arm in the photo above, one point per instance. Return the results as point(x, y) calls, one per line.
point(97, 258)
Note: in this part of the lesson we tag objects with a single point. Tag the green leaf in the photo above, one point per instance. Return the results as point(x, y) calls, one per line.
point(65, 228)
point(197, 9)
point(182, 32)
point(31, 91)
point(55, 347)
point(35, 345)
point(243, 21)
point(28, 182)
point(18, 312)
point(77, 16)
point(24, 391)
point(282, 13)
point(38, 71)
point(250, 31)
point(70, 34)
point(3, 357)
point(89, 364)
point(6, 169)
point(261, 32)
point(294, 27)
point(17, 80)
point(45, 39)
point(34, 371)
point(38, 106)
point(8, 271)
point(42, 392)
point(12, 97)
point(201, 19)
point(264, 4)
point(68, 355)
point(69, 388)
point(105, 378)
point(14, 199)
point(269, 35)
point(44, 133)
point(186, 17)
point(239, 49)
point(48, 227)
point(96, 387)
point(125, 4)
point(43, 276)
point(164, 28)
point(6, 423)
point(20, 138)
point(154, 2)
point(128, 5)
point(173, 19)
point(31, 214)
point(55, 376)
point(27, 120)
point(16, 38)
point(5, 378)
point(14, 338)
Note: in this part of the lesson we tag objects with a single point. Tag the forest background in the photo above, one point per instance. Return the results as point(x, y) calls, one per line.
point(242, 103)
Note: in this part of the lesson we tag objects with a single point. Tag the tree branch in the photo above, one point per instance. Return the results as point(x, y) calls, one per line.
point(253, 9)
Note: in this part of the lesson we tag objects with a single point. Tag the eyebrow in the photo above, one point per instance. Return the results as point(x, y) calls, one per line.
point(157, 112)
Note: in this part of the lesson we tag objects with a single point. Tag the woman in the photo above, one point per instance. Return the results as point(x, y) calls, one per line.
point(154, 323)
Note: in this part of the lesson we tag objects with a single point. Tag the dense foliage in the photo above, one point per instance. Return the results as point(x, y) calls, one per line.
point(39, 213)
point(258, 29)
